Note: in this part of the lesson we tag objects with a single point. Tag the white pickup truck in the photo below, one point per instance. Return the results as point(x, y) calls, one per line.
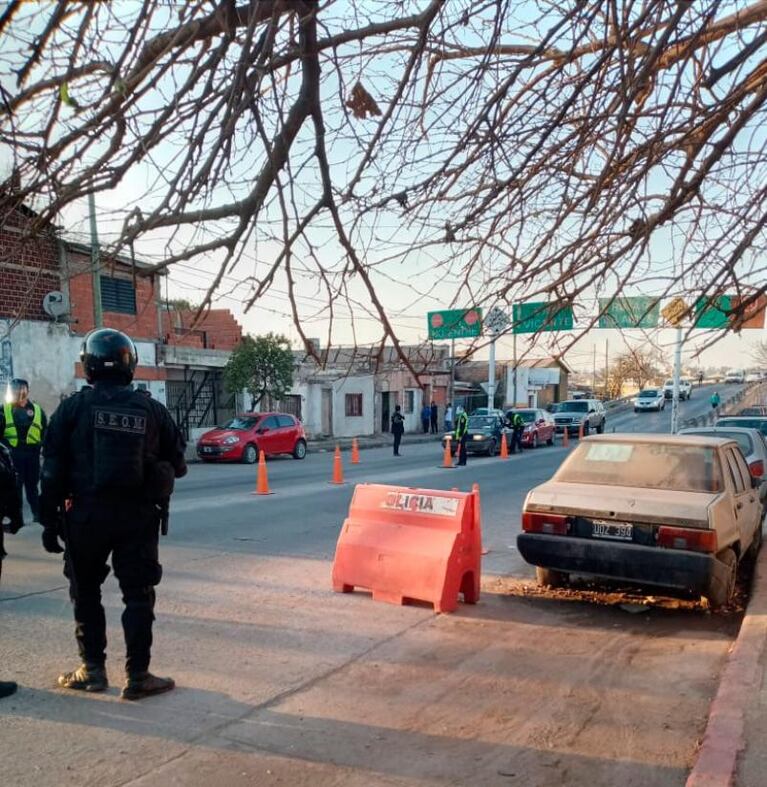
point(685, 389)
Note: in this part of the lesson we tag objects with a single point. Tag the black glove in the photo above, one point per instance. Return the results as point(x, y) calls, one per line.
point(51, 541)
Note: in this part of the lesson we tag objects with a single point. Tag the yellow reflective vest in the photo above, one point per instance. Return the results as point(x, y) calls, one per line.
point(11, 433)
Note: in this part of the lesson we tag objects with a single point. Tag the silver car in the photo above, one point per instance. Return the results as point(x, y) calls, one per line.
point(650, 399)
point(751, 442)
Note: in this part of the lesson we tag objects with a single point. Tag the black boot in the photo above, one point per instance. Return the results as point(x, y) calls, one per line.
point(144, 684)
point(7, 688)
point(87, 677)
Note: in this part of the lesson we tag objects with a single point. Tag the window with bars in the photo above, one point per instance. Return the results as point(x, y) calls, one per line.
point(117, 295)
point(353, 405)
point(409, 401)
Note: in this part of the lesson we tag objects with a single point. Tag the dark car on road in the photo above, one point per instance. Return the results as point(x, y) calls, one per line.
point(539, 426)
point(484, 435)
point(574, 412)
point(241, 438)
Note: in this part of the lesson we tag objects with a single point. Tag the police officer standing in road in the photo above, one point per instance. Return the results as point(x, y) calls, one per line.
point(111, 455)
point(517, 429)
point(22, 426)
point(460, 434)
point(397, 428)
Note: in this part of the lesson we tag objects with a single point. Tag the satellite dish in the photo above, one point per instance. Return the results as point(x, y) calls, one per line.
point(56, 304)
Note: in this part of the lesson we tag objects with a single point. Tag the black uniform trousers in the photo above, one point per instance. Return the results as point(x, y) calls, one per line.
point(26, 460)
point(516, 439)
point(462, 450)
point(397, 441)
point(129, 531)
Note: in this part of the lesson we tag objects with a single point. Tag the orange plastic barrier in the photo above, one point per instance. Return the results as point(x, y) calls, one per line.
point(580, 431)
point(338, 467)
point(566, 438)
point(262, 479)
point(411, 545)
point(355, 452)
point(504, 447)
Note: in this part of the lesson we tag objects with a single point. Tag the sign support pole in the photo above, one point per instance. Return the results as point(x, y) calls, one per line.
point(514, 399)
point(491, 374)
point(677, 377)
point(452, 375)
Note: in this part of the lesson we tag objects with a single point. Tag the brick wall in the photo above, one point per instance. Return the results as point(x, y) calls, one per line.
point(142, 325)
point(29, 268)
point(221, 329)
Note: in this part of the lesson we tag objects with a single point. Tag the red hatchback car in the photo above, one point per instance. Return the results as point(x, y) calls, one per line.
point(539, 426)
point(240, 439)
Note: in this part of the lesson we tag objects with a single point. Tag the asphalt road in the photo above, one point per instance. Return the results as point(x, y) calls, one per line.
point(281, 681)
point(213, 506)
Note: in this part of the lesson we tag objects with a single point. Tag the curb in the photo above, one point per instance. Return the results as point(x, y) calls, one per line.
point(717, 760)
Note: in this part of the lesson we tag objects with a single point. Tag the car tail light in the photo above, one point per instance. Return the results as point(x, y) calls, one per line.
point(757, 468)
point(686, 538)
point(551, 524)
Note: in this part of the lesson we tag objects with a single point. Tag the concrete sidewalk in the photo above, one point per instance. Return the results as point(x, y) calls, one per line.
point(733, 750)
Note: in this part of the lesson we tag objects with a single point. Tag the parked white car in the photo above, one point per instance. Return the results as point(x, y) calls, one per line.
point(735, 376)
point(676, 512)
point(650, 399)
point(685, 389)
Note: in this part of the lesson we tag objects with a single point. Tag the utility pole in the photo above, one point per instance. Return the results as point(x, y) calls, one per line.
point(98, 314)
point(594, 373)
point(452, 374)
point(491, 377)
point(607, 370)
point(495, 322)
point(677, 377)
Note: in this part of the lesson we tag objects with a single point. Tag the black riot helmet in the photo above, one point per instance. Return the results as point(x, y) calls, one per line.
point(108, 355)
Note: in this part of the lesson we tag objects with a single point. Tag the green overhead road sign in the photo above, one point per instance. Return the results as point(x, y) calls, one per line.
point(636, 312)
point(455, 324)
point(535, 317)
point(713, 312)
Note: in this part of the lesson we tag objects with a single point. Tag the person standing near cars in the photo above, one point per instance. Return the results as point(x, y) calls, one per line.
point(111, 457)
point(715, 400)
point(397, 428)
point(425, 418)
point(10, 509)
point(449, 417)
point(434, 418)
point(22, 428)
point(460, 435)
point(517, 428)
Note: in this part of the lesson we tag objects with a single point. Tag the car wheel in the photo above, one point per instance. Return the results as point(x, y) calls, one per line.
point(756, 544)
point(534, 442)
point(299, 452)
point(491, 448)
point(721, 591)
point(601, 427)
point(549, 577)
point(250, 454)
point(636, 410)
point(586, 429)
point(550, 441)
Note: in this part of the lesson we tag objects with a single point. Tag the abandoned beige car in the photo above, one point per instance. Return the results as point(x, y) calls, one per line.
point(675, 512)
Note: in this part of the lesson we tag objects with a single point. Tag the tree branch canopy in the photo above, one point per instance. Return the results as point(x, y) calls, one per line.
point(478, 152)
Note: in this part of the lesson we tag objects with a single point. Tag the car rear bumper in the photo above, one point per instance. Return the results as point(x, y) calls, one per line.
point(219, 454)
point(668, 568)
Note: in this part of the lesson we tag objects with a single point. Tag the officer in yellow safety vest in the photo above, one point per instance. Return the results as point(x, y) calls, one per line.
point(22, 426)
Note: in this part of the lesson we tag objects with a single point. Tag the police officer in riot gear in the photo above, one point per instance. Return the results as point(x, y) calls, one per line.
point(110, 457)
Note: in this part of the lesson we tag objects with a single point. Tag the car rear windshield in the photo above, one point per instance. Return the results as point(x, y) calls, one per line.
point(748, 423)
point(528, 416)
point(680, 468)
point(742, 439)
point(240, 423)
point(669, 382)
point(649, 394)
point(573, 407)
point(481, 421)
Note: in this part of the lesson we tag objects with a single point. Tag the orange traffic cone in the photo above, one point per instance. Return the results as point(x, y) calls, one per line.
point(338, 468)
point(580, 431)
point(262, 479)
point(504, 447)
point(447, 457)
point(355, 452)
point(566, 438)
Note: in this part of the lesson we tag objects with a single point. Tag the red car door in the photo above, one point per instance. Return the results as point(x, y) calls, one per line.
point(289, 431)
point(268, 436)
